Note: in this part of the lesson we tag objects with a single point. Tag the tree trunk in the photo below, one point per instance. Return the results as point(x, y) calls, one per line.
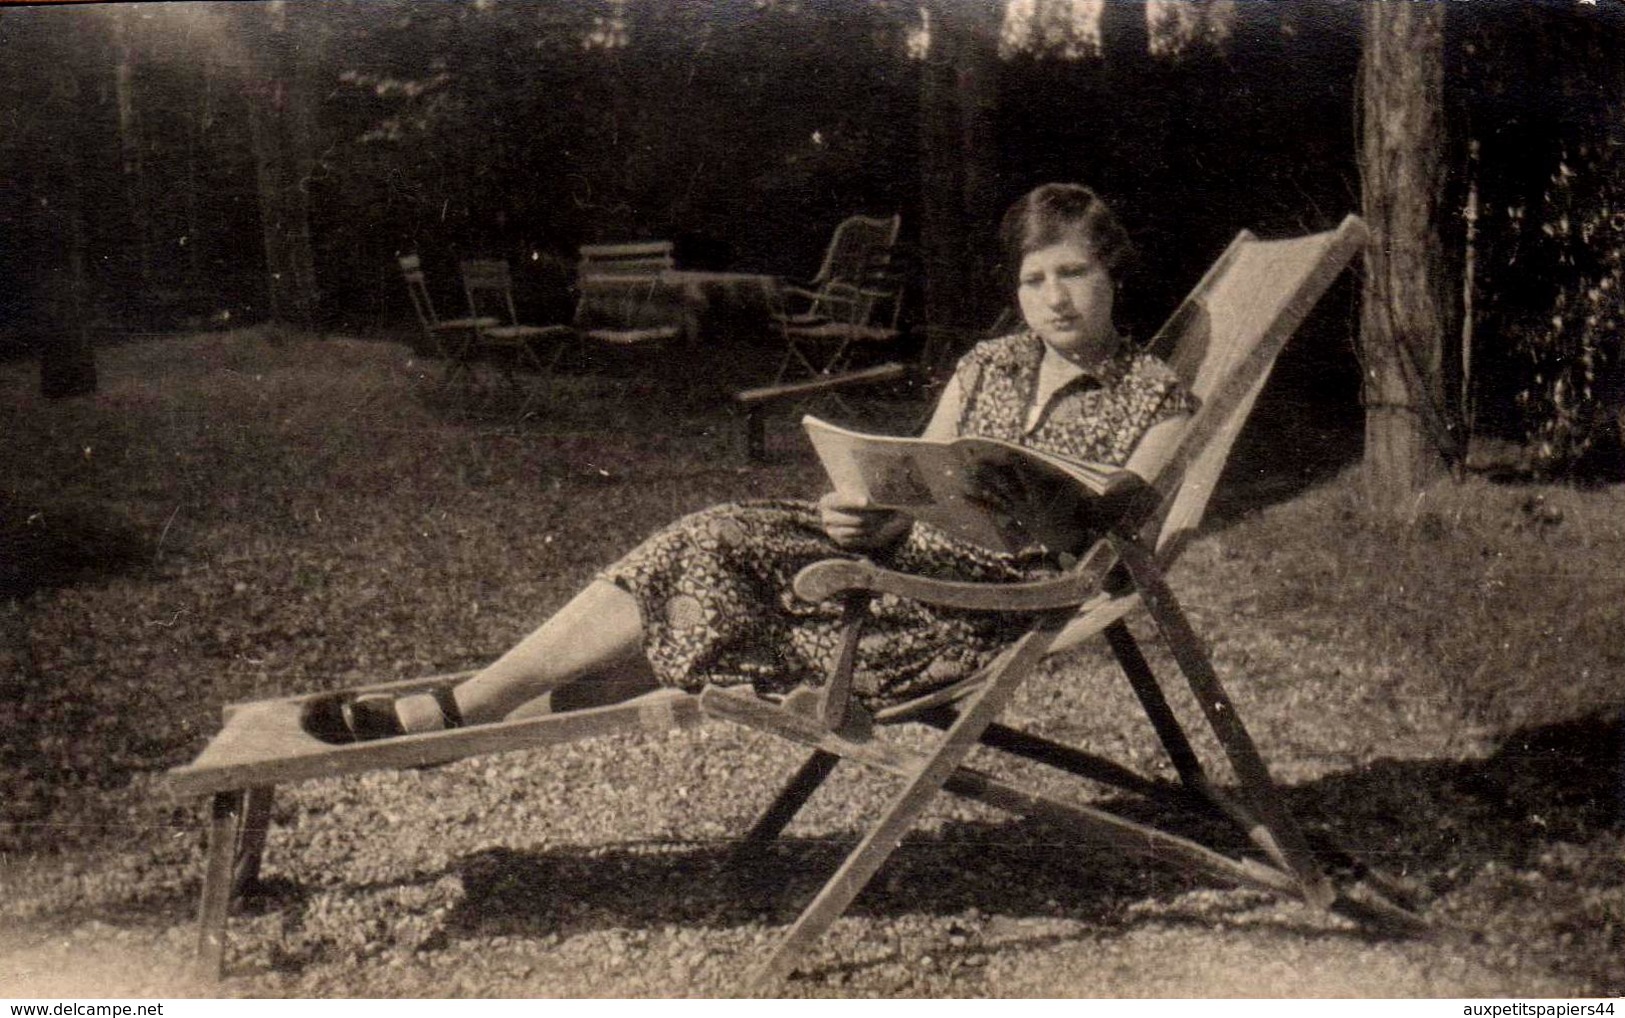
point(131, 148)
point(1406, 309)
point(280, 81)
point(1125, 41)
point(67, 354)
point(958, 193)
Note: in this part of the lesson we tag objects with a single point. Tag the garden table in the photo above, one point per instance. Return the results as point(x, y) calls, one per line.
point(731, 300)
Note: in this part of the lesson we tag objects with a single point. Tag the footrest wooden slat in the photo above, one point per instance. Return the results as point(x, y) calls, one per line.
point(264, 743)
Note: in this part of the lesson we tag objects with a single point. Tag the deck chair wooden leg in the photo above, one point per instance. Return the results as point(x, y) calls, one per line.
point(1087, 765)
point(227, 813)
point(789, 801)
point(1062, 757)
point(1075, 761)
point(251, 844)
point(1155, 704)
point(855, 872)
point(834, 706)
point(1258, 788)
point(1138, 839)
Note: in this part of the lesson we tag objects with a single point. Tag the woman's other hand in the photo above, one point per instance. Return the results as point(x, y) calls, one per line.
point(857, 526)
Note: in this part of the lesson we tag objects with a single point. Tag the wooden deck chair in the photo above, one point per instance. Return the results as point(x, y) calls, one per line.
point(854, 299)
point(450, 339)
point(1223, 341)
point(1225, 338)
point(498, 334)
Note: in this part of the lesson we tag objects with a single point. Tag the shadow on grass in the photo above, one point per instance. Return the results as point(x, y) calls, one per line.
point(1557, 784)
point(47, 546)
point(1016, 868)
point(1547, 792)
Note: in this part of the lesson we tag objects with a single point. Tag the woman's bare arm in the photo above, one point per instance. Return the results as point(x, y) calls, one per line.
point(857, 527)
point(944, 423)
point(1156, 447)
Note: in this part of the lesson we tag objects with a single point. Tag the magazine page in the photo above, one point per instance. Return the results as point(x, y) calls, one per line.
point(991, 493)
point(1099, 478)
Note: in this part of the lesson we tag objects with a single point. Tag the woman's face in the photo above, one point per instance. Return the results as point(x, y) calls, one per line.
point(1066, 297)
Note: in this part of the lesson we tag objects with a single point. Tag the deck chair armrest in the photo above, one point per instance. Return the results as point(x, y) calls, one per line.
point(833, 577)
point(846, 305)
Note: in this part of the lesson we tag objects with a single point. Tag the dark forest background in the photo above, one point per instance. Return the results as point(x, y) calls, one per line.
point(180, 166)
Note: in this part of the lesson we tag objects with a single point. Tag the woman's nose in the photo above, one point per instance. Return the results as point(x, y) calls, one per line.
point(1055, 294)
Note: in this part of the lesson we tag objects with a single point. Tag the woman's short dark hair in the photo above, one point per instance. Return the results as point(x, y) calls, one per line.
point(1054, 213)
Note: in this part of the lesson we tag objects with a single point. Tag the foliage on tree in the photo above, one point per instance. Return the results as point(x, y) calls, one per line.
point(1552, 179)
point(1573, 398)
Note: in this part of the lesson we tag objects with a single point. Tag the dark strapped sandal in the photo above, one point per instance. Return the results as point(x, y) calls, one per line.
point(345, 718)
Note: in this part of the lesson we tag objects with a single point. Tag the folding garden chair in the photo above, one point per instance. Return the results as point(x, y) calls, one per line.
point(621, 301)
point(451, 339)
point(498, 334)
point(853, 301)
point(625, 311)
point(1223, 341)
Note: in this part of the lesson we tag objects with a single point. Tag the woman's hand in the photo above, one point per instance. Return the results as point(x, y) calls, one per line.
point(856, 526)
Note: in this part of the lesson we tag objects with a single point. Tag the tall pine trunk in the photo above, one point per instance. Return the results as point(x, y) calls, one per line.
point(1406, 309)
point(281, 86)
point(131, 148)
point(67, 353)
point(958, 193)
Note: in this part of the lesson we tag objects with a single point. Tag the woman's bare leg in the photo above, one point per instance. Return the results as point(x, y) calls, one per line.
point(594, 645)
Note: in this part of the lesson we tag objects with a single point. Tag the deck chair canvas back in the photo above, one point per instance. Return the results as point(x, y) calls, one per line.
point(262, 743)
point(1213, 343)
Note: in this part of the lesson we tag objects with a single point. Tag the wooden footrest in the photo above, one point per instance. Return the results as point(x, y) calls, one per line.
point(263, 743)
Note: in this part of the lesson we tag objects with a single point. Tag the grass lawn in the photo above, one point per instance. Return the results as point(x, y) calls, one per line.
point(235, 515)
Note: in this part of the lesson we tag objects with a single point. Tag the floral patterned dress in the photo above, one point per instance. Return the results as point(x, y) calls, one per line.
point(714, 587)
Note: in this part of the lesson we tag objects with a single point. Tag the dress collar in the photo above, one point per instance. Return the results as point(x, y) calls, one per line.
point(1055, 375)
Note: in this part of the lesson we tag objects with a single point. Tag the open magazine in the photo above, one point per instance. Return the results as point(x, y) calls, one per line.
point(997, 494)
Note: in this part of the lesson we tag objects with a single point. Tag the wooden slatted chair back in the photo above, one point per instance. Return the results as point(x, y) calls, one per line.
point(418, 290)
point(620, 296)
point(616, 264)
point(488, 284)
point(858, 249)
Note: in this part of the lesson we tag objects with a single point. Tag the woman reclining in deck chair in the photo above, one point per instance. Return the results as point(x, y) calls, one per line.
point(708, 599)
